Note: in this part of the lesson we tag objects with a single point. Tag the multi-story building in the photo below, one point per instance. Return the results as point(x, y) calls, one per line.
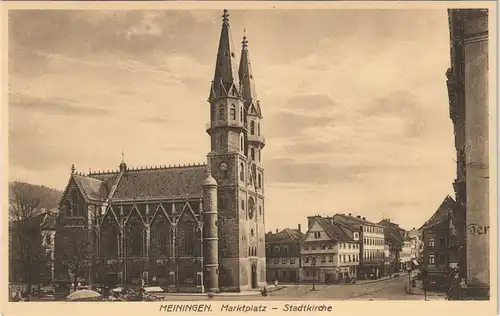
point(416, 244)
point(469, 100)
point(283, 255)
point(405, 256)
point(329, 251)
point(371, 264)
point(48, 240)
point(437, 253)
point(390, 260)
point(195, 227)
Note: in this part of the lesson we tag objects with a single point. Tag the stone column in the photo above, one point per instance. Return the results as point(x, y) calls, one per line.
point(210, 238)
point(477, 132)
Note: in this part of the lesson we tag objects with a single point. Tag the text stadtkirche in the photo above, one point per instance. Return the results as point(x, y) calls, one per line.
point(243, 308)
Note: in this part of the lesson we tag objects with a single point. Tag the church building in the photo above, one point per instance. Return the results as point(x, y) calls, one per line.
point(188, 228)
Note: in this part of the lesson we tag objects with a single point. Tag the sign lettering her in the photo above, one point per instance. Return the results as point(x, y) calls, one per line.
point(475, 229)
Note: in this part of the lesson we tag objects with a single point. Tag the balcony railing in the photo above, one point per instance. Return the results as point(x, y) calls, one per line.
point(256, 138)
point(213, 124)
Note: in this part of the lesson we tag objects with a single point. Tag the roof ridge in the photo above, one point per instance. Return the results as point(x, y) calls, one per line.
point(165, 167)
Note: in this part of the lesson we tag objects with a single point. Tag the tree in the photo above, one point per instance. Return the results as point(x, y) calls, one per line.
point(26, 251)
point(77, 252)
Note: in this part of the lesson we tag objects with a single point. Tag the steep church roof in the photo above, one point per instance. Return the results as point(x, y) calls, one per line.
point(143, 184)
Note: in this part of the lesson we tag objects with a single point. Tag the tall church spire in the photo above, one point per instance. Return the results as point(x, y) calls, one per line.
point(226, 81)
point(248, 92)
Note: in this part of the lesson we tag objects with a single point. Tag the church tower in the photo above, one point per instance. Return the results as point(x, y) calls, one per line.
point(235, 162)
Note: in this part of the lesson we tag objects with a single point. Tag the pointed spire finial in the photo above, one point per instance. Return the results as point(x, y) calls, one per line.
point(225, 16)
point(244, 42)
point(123, 156)
point(72, 168)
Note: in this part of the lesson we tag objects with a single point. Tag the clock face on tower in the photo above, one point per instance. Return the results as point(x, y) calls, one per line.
point(223, 166)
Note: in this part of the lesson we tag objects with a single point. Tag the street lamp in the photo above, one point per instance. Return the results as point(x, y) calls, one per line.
point(313, 263)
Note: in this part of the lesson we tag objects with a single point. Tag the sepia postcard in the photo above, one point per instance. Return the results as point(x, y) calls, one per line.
point(249, 157)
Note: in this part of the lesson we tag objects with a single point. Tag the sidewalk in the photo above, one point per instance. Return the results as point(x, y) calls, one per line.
point(228, 294)
point(418, 290)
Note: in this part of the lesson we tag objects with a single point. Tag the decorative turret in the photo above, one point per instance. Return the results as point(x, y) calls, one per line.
point(123, 165)
point(210, 234)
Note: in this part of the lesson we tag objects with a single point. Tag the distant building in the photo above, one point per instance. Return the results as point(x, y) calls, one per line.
point(416, 244)
point(437, 253)
point(330, 251)
point(390, 260)
point(469, 110)
point(283, 255)
point(48, 240)
point(371, 237)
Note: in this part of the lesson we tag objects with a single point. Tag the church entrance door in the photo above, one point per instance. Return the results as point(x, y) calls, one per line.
point(254, 276)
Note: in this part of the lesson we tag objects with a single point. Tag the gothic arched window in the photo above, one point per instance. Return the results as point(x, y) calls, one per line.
point(252, 127)
point(242, 172)
point(222, 113)
point(259, 181)
point(241, 115)
point(74, 204)
point(252, 153)
point(258, 129)
point(233, 112)
point(242, 147)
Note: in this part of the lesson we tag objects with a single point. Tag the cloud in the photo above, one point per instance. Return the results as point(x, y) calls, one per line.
point(403, 105)
point(54, 106)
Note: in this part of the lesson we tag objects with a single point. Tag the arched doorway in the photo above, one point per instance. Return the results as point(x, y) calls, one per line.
point(254, 276)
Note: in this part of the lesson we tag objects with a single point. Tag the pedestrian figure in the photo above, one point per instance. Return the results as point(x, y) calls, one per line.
point(462, 289)
point(264, 291)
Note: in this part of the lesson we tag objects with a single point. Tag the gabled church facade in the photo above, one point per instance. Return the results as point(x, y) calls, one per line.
point(189, 228)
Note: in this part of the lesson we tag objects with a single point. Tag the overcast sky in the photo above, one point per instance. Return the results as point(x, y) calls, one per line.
point(354, 101)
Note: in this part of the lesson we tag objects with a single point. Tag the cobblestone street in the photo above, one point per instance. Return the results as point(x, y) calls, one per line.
point(390, 289)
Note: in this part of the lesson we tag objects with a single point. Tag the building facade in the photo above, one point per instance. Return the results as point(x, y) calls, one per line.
point(469, 98)
point(416, 244)
point(329, 252)
point(283, 255)
point(371, 252)
point(189, 228)
point(437, 253)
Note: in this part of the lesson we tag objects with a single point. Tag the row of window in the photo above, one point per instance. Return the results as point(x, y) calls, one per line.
point(284, 261)
point(330, 246)
point(323, 259)
point(371, 254)
point(374, 241)
point(135, 240)
point(372, 229)
point(232, 116)
point(442, 242)
point(443, 258)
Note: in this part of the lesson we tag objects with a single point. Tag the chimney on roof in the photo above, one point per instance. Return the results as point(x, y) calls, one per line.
point(298, 227)
point(413, 228)
point(364, 218)
point(276, 230)
point(359, 216)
